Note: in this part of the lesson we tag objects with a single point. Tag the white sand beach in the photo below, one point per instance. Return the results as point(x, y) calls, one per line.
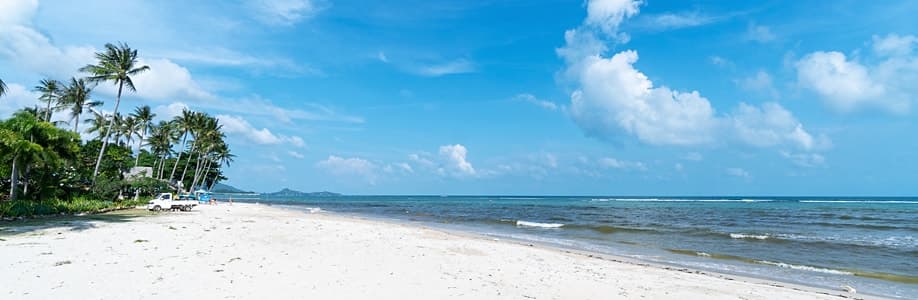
point(250, 251)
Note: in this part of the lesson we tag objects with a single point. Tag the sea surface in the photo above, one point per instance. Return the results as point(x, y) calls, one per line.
point(870, 244)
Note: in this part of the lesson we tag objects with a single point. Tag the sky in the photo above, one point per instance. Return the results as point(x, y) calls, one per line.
point(602, 97)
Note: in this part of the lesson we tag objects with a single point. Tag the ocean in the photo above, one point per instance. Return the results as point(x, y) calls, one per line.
point(870, 244)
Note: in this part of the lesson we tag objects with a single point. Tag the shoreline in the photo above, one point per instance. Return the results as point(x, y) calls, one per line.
point(251, 250)
point(593, 255)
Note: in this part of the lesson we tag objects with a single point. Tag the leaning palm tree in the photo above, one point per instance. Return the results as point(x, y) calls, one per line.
point(76, 96)
point(162, 136)
point(50, 90)
point(117, 64)
point(184, 123)
point(144, 117)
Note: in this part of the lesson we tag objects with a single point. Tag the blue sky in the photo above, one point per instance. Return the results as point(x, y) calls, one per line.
point(613, 97)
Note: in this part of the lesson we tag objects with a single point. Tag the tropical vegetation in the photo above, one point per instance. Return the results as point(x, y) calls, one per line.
point(49, 164)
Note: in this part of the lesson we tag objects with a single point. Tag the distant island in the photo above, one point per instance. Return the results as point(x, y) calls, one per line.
point(225, 188)
point(293, 193)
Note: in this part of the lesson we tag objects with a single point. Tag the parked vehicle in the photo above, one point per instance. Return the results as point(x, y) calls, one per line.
point(166, 201)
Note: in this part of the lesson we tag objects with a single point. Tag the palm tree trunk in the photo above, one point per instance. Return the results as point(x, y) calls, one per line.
point(190, 154)
point(95, 171)
point(198, 174)
point(25, 179)
point(143, 135)
point(175, 165)
point(48, 112)
point(76, 124)
point(14, 178)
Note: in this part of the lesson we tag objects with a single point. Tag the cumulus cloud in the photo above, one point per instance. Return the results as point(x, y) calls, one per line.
point(353, 166)
point(607, 15)
point(613, 99)
point(235, 125)
point(616, 98)
point(31, 50)
point(169, 111)
point(455, 163)
point(847, 84)
point(772, 125)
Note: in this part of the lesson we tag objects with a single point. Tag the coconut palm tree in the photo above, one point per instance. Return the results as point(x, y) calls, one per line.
point(211, 138)
point(183, 123)
point(129, 129)
point(144, 116)
point(162, 136)
point(50, 90)
point(31, 142)
point(224, 157)
point(116, 65)
point(98, 125)
point(76, 96)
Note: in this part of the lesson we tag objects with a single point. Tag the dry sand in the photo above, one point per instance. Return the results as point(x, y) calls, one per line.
point(249, 251)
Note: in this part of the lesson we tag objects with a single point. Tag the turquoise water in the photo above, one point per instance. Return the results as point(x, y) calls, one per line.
point(868, 243)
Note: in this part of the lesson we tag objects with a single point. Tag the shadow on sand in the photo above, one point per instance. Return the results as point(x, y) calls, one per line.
point(70, 223)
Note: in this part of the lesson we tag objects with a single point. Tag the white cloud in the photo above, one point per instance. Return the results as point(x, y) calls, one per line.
point(295, 154)
point(612, 163)
point(170, 111)
point(848, 84)
point(607, 15)
point(164, 81)
point(759, 33)
point(14, 12)
point(458, 66)
point(284, 12)
point(614, 98)
point(738, 172)
point(538, 102)
point(382, 57)
point(239, 126)
point(760, 82)
point(772, 125)
point(455, 164)
point(17, 97)
point(353, 166)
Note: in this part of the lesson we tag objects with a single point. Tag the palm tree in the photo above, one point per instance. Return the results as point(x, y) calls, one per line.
point(184, 123)
point(162, 136)
point(2, 88)
point(223, 156)
point(129, 129)
point(144, 116)
point(76, 95)
point(97, 124)
point(31, 142)
point(211, 138)
point(50, 90)
point(117, 64)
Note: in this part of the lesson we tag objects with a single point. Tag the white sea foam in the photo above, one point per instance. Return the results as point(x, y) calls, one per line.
point(748, 236)
point(703, 254)
point(804, 268)
point(540, 225)
point(313, 210)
